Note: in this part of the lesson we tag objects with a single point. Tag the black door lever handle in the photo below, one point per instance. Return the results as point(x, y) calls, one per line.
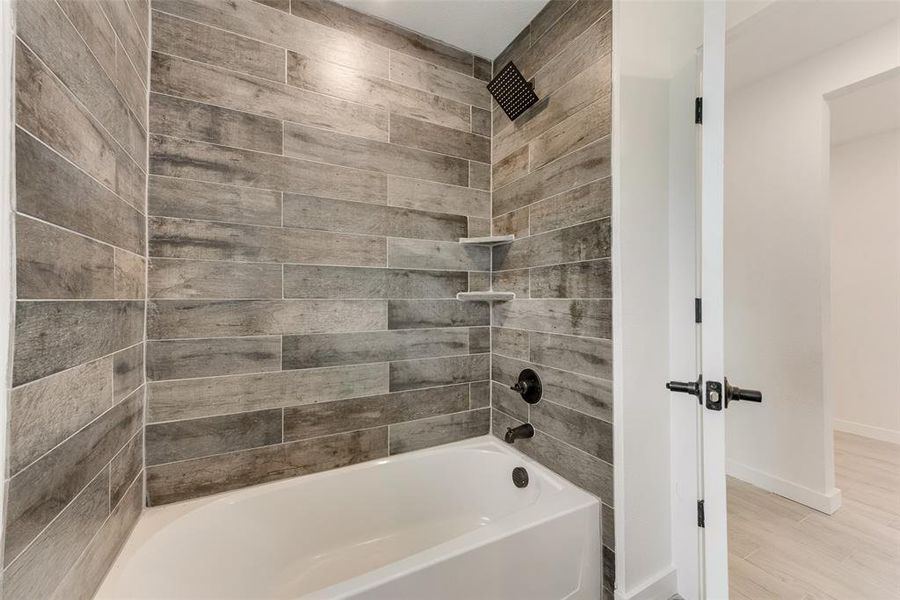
point(686, 387)
point(733, 394)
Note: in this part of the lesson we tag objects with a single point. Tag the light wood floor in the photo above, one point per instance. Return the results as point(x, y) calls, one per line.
point(781, 549)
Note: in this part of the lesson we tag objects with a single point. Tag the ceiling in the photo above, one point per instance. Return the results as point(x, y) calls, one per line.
point(771, 36)
point(866, 108)
point(482, 27)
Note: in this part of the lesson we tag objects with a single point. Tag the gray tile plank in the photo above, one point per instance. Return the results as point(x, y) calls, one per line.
point(479, 394)
point(325, 418)
point(592, 279)
point(301, 281)
point(283, 5)
point(587, 50)
point(194, 398)
point(371, 155)
point(95, 29)
point(325, 350)
point(426, 254)
point(196, 438)
point(510, 168)
point(191, 120)
point(412, 314)
point(587, 395)
point(51, 36)
point(479, 227)
point(300, 35)
point(128, 31)
point(481, 123)
point(204, 476)
point(128, 371)
point(584, 89)
point(443, 82)
point(561, 33)
point(578, 429)
point(576, 169)
point(129, 276)
point(480, 175)
point(548, 16)
point(181, 359)
point(182, 278)
point(586, 203)
point(582, 128)
point(587, 241)
point(609, 526)
point(436, 138)
point(479, 282)
point(233, 318)
point(513, 343)
point(438, 197)
point(85, 576)
point(479, 340)
point(341, 216)
point(132, 86)
point(177, 238)
point(508, 401)
point(513, 281)
point(54, 263)
point(40, 568)
point(433, 431)
point(37, 494)
point(220, 164)
point(49, 112)
point(50, 188)
point(45, 412)
point(582, 469)
point(375, 91)
point(431, 372)
point(54, 335)
point(140, 10)
point(383, 33)
point(481, 69)
point(573, 317)
point(184, 198)
point(588, 356)
point(515, 223)
point(195, 41)
point(212, 85)
point(125, 467)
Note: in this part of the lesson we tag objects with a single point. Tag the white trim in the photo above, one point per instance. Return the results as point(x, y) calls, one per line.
point(662, 586)
point(870, 431)
point(827, 503)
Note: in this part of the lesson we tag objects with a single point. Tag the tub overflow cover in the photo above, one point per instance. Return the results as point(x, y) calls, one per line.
point(520, 477)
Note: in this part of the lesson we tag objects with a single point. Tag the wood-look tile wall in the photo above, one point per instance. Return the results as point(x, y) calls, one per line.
point(74, 473)
point(311, 170)
point(551, 188)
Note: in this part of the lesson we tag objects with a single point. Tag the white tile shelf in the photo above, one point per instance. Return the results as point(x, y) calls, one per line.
point(491, 240)
point(485, 296)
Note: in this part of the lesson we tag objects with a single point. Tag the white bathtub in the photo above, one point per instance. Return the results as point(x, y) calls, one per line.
point(443, 523)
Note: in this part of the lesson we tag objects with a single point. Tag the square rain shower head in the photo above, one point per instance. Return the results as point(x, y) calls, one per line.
point(512, 91)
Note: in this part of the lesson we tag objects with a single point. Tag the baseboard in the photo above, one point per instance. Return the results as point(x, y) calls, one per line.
point(660, 587)
point(869, 431)
point(822, 502)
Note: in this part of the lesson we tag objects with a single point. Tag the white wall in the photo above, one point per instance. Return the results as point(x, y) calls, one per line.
point(777, 291)
point(865, 285)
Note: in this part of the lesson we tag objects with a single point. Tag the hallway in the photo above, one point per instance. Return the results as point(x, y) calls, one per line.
point(781, 549)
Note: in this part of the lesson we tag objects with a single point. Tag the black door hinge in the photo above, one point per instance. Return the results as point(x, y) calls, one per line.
point(698, 110)
point(698, 310)
point(701, 515)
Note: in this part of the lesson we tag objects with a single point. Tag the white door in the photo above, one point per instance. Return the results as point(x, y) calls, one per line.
point(714, 547)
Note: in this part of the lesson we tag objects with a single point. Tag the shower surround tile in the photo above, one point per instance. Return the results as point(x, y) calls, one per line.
point(74, 476)
point(552, 190)
point(311, 172)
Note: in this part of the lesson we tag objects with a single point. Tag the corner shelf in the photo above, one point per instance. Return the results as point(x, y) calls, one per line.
point(485, 296)
point(490, 240)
